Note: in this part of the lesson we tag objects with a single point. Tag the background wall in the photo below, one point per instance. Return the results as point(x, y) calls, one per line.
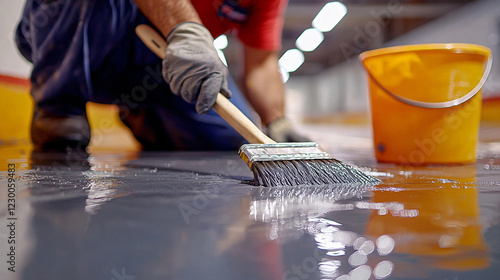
point(11, 62)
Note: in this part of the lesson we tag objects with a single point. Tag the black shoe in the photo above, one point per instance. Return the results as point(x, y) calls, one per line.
point(51, 132)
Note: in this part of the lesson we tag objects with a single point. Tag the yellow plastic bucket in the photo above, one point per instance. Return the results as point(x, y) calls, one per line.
point(426, 101)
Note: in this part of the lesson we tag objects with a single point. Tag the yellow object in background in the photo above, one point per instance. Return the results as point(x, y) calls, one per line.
point(108, 133)
point(16, 109)
point(16, 106)
point(404, 80)
point(490, 112)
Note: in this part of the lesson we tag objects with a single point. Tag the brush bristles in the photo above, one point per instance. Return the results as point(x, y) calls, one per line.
point(307, 172)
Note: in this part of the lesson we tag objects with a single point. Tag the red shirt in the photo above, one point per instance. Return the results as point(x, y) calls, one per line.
point(257, 23)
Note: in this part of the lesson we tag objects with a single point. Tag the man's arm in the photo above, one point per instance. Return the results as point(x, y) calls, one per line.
point(191, 66)
point(264, 89)
point(263, 85)
point(166, 14)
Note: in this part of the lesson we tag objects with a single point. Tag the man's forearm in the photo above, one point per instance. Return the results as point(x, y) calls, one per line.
point(166, 14)
point(263, 86)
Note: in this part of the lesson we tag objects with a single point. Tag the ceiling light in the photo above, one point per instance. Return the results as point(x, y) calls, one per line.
point(222, 57)
point(329, 16)
point(220, 42)
point(291, 60)
point(284, 75)
point(309, 40)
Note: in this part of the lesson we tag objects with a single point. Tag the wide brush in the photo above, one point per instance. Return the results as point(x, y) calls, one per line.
point(292, 164)
point(273, 164)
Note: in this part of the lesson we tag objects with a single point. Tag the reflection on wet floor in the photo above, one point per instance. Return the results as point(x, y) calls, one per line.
point(182, 215)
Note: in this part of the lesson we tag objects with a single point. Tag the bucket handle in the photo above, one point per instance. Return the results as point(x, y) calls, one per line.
point(446, 104)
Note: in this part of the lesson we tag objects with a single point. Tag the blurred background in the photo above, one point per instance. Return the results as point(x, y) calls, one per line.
point(331, 79)
point(319, 58)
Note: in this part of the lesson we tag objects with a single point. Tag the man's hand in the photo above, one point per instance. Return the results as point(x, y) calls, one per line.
point(282, 130)
point(192, 66)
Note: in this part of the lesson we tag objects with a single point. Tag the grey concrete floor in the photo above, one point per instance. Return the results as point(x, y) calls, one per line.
point(186, 215)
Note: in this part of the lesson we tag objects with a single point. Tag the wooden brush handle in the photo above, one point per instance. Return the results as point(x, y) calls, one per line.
point(230, 113)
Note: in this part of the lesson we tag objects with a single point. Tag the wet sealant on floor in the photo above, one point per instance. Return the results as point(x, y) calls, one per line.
point(183, 215)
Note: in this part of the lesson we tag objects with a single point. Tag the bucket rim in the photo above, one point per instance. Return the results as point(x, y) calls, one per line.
point(452, 47)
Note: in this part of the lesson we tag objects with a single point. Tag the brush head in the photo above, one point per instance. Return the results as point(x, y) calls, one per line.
point(292, 164)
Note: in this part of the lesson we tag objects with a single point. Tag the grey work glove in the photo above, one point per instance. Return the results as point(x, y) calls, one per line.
point(282, 130)
point(192, 66)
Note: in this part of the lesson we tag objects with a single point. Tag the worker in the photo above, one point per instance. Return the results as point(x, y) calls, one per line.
point(87, 50)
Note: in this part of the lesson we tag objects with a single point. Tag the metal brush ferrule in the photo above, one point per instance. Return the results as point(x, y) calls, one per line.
point(251, 153)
